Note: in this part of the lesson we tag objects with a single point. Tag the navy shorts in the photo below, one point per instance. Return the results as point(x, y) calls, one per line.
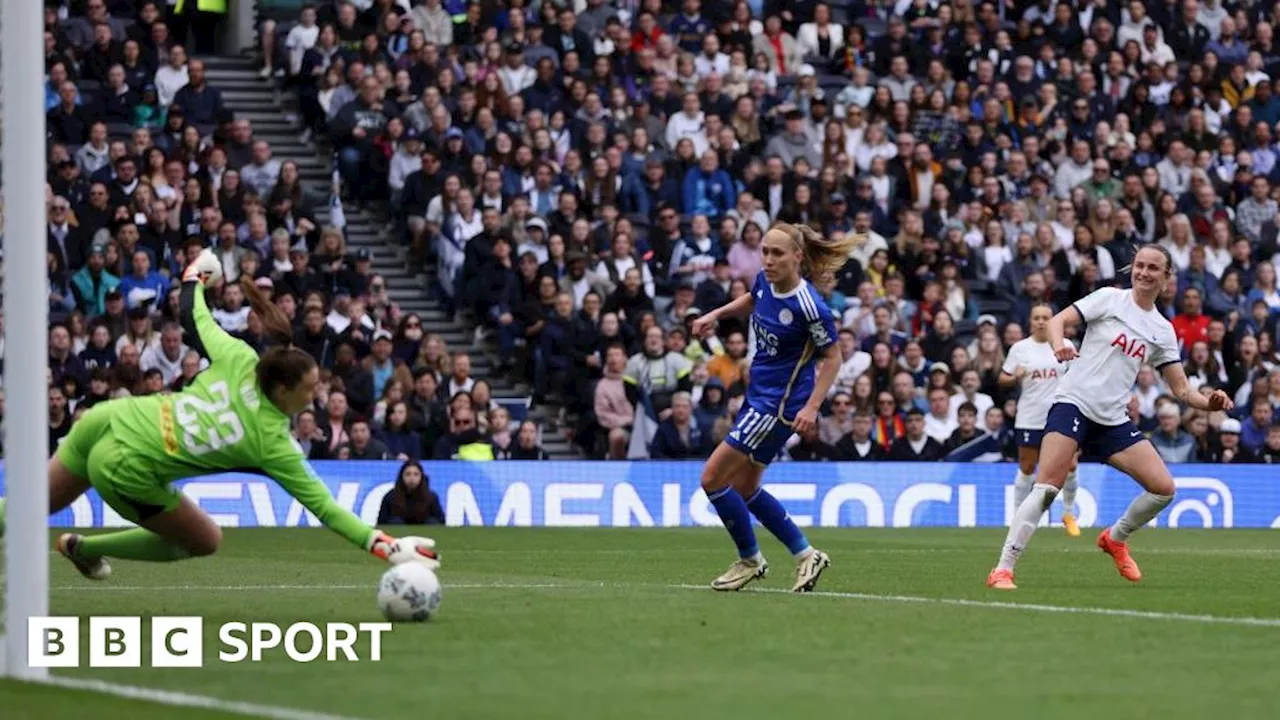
point(758, 434)
point(1028, 438)
point(1096, 441)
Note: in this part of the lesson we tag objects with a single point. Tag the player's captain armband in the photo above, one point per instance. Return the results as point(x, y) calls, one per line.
point(818, 331)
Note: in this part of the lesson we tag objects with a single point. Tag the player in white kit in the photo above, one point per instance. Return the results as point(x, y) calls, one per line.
point(1032, 365)
point(1090, 413)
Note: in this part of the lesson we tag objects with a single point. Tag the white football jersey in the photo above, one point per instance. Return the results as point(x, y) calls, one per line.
point(1121, 337)
point(1039, 385)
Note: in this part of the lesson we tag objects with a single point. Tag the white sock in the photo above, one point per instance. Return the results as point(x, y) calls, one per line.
point(1022, 487)
point(1141, 511)
point(1069, 493)
point(1024, 523)
point(804, 554)
point(754, 559)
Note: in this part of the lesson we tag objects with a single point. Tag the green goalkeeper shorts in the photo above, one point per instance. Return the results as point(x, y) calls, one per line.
point(120, 476)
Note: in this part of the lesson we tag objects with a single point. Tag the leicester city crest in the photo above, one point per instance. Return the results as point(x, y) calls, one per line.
point(784, 316)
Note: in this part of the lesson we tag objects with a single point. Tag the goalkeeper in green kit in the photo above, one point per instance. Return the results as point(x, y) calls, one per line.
point(234, 417)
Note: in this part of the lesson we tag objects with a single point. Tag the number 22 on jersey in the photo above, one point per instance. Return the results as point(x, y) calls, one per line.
point(208, 425)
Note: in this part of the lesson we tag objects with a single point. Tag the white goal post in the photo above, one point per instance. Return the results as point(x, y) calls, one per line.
point(22, 133)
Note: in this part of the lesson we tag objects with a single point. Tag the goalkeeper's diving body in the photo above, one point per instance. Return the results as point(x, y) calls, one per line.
point(234, 417)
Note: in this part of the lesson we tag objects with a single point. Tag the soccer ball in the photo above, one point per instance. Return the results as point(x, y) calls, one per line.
point(409, 593)
point(421, 550)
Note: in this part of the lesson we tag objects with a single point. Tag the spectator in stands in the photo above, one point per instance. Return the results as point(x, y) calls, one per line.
point(334, 422)
point(940, 423)
point(708, 189)
point(888, 425)
point(904, 392)
point(526, 446)
point(426, 411)
point(613, 403)
point(59, 417)
point(914, 445)
point(1173, 443)
point(464, 440)
point(69, 244)
point(555, 351)
point(966, 428)
point(361, 444)
point(260, 175)
point(882, 316)
point(727, 366)
point(657, 373)
point(168, 355)
point(63, 363)
point(355, 125)
point(100, 350)
point(200, 103)
point(970, 391)
point(1253, 431)
point(679, 437)
point(357, 381)
point(411, 501)
point(459, 380)
point(1270, 452)
point(172, 76)
point(858, 445)
point(379, 362)
point(1228, 450)
point(143, 283)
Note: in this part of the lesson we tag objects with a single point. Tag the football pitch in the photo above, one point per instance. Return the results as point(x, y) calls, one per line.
point(604, 623)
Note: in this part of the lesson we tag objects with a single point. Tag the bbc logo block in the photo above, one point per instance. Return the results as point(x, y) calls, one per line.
point(178, 642)
point(115, 642)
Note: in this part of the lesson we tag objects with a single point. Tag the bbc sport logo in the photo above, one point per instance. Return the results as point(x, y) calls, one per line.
point(178, 642)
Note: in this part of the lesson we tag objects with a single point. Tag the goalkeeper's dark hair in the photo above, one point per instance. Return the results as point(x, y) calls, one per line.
point(282, 365)
point(274, 321)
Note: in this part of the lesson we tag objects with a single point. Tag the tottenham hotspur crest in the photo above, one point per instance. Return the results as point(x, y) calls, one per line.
point(784, 316)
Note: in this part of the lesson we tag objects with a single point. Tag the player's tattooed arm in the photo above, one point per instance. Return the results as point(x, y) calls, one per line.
point(1176, 377)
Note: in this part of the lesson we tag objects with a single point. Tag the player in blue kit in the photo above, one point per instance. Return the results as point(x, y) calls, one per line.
point(796, 361)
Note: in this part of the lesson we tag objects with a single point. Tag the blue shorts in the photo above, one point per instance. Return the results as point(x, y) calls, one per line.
point(1028, 438)
point(758, 435)
point(1095, 441)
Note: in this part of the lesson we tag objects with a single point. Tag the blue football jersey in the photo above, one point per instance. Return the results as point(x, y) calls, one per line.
point(792, 330)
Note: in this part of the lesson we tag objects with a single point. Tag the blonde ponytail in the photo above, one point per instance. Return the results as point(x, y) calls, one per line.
point(823, 256)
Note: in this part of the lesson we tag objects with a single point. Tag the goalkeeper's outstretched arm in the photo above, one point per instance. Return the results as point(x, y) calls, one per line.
point(292, 471)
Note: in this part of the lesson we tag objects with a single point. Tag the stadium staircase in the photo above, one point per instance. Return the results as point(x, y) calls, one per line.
point(273, 114)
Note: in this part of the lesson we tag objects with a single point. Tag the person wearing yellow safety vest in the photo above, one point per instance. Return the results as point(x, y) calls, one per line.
point(464, 441)
point(203, 17)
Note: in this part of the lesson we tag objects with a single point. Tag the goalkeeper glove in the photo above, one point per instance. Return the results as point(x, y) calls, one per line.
point(381, 544)
point(205, 267)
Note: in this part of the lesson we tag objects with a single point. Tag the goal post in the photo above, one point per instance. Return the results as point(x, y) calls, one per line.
point(22, 134)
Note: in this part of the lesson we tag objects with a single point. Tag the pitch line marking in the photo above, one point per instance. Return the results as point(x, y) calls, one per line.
point(181, 699)
point(250, 588)
point(870, 597)
point(1026, 607)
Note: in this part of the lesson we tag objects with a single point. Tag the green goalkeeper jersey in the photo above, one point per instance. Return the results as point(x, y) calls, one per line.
point(222, 423)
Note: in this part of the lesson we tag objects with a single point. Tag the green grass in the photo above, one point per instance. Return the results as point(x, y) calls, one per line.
point(615, 638)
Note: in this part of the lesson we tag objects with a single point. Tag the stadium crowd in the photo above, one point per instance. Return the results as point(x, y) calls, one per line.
point(583, 179)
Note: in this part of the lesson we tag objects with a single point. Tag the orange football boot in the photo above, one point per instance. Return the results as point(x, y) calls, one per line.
point(1119, 552)
point(1001, 579)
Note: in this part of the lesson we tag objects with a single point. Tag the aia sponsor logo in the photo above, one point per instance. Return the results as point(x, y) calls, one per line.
point(1134, 347)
